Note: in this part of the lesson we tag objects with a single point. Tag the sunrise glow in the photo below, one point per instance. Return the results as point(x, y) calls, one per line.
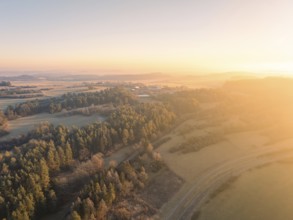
point(147, 36)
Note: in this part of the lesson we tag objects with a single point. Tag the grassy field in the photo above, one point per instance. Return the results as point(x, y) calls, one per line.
point(54, 89)
point(23, 125)
point(6, 102)
point(265, 193)
point(190, 165)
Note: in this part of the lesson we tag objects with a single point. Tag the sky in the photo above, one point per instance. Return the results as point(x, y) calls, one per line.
point(139, 36)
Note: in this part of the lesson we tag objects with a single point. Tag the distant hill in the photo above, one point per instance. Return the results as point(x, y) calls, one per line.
point(115, 77)
point(19, 78)
point(223, 76)
point(81, 77)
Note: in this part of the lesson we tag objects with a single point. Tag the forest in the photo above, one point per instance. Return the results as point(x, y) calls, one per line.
point(26, 171)
point(31, 166)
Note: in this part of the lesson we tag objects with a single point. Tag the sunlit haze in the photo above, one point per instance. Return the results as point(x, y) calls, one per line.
point(146, 109)
point(147, 36)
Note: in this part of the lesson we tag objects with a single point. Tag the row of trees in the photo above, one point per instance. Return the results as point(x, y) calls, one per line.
point(196, 143)
point(26, 189)
point(188, 101)
point(5, 83)
point(17, 91)
point(20, 93)
point(69, 101)
point(204, 95)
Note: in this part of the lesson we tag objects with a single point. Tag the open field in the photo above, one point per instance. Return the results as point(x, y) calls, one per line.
point(49, 89)
point(264, 193)
point(23, 125)
point(189, 165)
point(255, 132)
point(195, 193)
point(6, 102)
point(205, 165)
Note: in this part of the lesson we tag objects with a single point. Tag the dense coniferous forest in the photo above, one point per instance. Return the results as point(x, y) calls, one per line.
point(26, 171)
point(104, 196)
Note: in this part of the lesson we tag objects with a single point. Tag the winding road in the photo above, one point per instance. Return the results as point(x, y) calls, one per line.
point(212, 179)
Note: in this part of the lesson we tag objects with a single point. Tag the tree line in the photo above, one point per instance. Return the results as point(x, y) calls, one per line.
point(5, 83)
point(189, 101)
point(116, 95)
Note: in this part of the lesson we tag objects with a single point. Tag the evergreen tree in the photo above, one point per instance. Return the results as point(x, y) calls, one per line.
point(102, 210)
point(75, 216)
point(44, 174)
